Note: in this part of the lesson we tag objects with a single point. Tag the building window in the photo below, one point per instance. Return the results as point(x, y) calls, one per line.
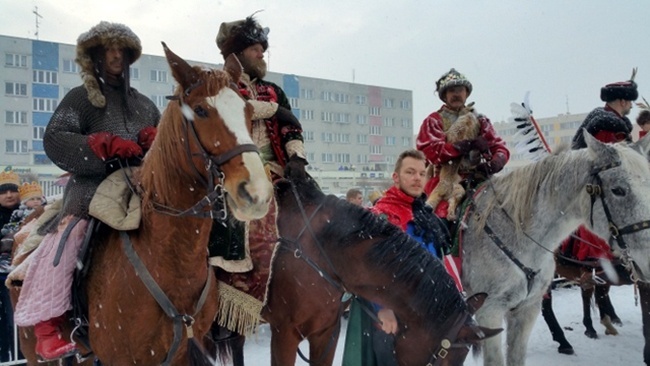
point(362, 139)
point(341, 118)
point(327, 116)
point(362, 159)
point(308, 135)
point(41, 159)
point(39, 131)
point(547, 128)
point(405, 104)
point(327, 158)
point(311, 157)
point(388, 103)
point(15, 60)
point(16, 146)
point(389, 122)
point(45, 104)
point(159, 76)
point(341, 98)
point(16, 118)
point(70, 66)
point(326, 137)
point(342, 158)
point(342, 138)
point(406, 141)
point(406, 123)
point(307, 93)
point(361, 100)
point(375, 111)
point(17, 89)
point(159, 100)
point(375, 130)
point(134, 72)
point(293, 102)
point(45, 77)
point(327, 96)
point(375, 149)
point(362, 119)
point(306, 114)
point(390, 140)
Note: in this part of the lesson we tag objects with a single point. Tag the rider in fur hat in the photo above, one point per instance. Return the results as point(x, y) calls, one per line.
point(97, 128)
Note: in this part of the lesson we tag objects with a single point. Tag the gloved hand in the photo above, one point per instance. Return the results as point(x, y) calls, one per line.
point(146, 137)
point(295, 168)
point(481, 144)
point(465, 146)
point(106, 145)
point(493, 166)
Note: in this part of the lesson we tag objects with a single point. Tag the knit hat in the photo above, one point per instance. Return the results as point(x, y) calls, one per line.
point(236, 36)
point(452, 78)
point(104, 34)
point(9, 180)
point(30, 190)
point(625, 90)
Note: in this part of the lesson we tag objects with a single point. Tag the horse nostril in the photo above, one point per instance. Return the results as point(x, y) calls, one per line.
point(243, 192)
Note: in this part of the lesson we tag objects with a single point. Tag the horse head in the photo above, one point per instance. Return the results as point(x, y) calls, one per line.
point(618, 196)
point(209, 124)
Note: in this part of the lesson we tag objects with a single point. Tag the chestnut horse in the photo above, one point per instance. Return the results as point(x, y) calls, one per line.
point(329, 247)
point(151, 290)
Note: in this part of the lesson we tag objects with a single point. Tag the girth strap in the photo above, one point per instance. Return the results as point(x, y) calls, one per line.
point(162, 299)
point(530, 274)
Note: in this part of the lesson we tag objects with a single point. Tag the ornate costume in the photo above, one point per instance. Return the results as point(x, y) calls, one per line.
point(95, 129)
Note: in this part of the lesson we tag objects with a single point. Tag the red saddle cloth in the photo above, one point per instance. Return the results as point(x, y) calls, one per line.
point(587, 245)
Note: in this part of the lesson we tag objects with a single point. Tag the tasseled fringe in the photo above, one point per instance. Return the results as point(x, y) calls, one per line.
point(238, 311)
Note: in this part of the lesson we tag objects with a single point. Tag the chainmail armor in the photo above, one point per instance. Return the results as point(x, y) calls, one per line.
point(66, 139)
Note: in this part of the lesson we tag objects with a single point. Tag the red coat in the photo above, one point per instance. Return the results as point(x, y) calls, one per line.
point(432, 141)
point(397, 206)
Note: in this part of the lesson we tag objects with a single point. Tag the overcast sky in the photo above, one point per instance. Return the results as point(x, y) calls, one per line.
point(562, 51)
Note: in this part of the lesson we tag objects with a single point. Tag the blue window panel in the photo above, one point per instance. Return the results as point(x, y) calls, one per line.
point(296, 112)
point(37, 145)
point(45, 91)
point(291, 86)
point(45, 56)
point(41, 159)
point(41, 118)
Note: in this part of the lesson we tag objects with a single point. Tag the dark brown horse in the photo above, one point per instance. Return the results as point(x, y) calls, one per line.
point(329, 247)
point(151, 290)
point(583, 273)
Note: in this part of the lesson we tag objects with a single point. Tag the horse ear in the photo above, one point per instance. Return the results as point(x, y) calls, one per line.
point(598, 149)
point(475, 302)
point(233, 67)
point(184, 74)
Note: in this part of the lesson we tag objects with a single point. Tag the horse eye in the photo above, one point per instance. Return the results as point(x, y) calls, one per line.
point(200, 112)
point(618, 191)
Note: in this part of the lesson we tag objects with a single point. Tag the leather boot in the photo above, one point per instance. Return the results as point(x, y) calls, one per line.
point(50, 344)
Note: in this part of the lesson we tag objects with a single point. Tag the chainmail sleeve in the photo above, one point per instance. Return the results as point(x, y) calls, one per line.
point(66, 141)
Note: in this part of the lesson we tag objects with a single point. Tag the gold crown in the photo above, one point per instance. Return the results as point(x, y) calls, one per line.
point(9, 177)
point(30, 190)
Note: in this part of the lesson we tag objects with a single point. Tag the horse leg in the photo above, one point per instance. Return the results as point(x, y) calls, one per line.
point(553, 325)
point(644, 295)
point(586, 313)
point(606, 307)
point(520, 323)
point(322, 346)
point(284, 346)
point(491, 316)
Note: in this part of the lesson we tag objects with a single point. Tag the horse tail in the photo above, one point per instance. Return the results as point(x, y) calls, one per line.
point(476, 350)
point(226, 346)
point(197, 354)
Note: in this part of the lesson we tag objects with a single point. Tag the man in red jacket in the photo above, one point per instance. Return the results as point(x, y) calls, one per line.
point(453, 88)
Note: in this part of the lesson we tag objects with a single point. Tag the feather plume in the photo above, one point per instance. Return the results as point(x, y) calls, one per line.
point(529, 139)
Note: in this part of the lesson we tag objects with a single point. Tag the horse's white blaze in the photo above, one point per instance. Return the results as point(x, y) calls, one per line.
point(232, 110)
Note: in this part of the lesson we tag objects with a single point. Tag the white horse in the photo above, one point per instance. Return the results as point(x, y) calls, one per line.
point(520, 218)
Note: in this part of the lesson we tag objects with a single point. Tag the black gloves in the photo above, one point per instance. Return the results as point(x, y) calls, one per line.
point(465, 146)
point(295, 168)
point(493, 166)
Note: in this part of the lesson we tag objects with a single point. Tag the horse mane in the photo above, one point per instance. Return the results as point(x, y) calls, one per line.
point(156, 173)
point(549, 173)
point(435, 297)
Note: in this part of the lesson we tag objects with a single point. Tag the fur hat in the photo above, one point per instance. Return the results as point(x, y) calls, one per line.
point(234, 37)
point(9, 180)
point(104, 34)
point(452, 78)
point(30, 190)
point(374, 196)
point(625, 90)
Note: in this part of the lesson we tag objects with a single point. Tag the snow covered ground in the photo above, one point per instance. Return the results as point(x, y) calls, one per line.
point(624, 349)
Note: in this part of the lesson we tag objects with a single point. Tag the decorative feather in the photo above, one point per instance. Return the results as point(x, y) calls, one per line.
point(529, 139)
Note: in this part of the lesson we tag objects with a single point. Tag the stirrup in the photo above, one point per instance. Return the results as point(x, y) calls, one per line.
point(74, 352)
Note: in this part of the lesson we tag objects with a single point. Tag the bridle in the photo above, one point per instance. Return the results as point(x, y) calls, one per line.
point(447, 342)
point(596, 191)
point(215, 200)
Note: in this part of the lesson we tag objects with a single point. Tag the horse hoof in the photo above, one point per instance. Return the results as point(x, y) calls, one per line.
point(609, 327)
point(566, 350)
point(617, 322)
point(590, 334)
